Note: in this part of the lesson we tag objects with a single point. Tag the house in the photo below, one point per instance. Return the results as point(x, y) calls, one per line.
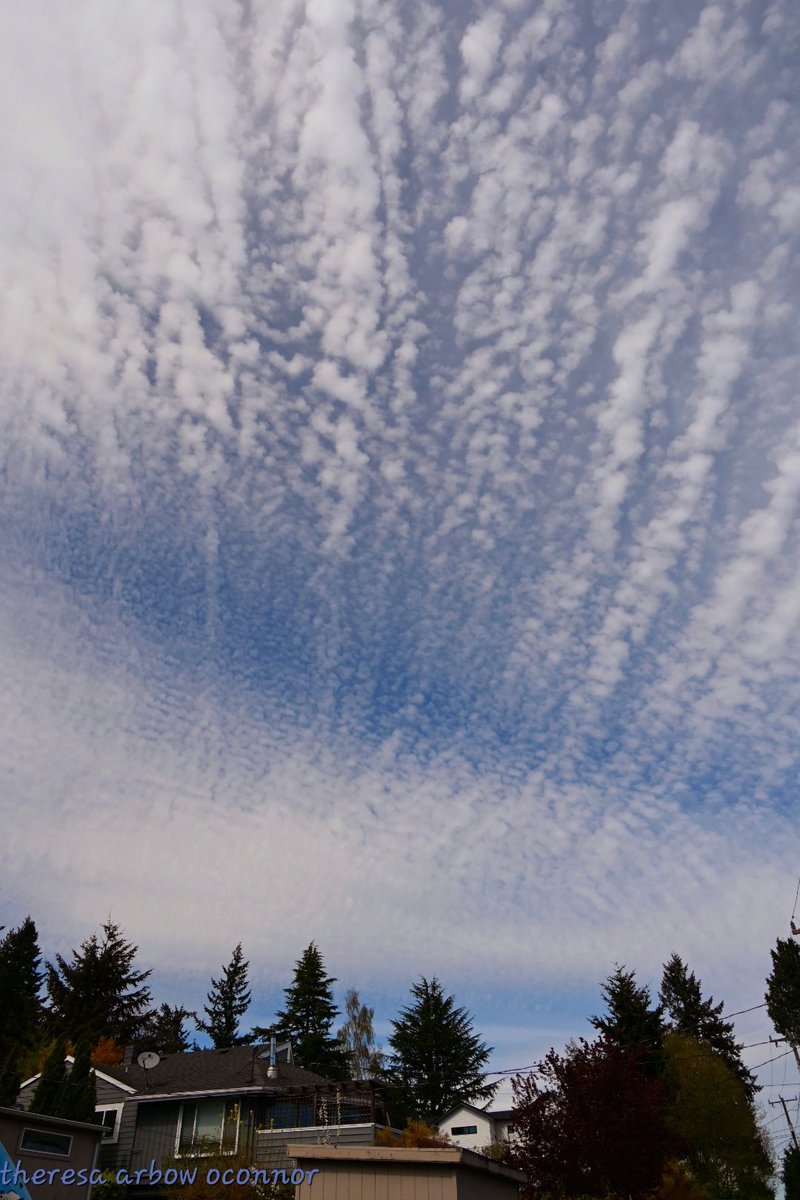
point(229, 1101)
point(46, 1157)
point(380, 1173)
point(474, 1128)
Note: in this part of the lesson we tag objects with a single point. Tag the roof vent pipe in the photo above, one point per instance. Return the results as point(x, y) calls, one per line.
point(272, 1070)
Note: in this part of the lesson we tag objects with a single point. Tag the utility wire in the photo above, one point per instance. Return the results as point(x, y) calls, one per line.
point(747, 1046)
point(745, 1010)
point(767, 1061)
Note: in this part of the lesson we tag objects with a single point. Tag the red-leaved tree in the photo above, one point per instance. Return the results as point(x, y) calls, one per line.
point(590, 1123)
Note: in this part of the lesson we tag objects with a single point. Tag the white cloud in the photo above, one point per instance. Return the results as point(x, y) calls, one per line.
point(398, 415)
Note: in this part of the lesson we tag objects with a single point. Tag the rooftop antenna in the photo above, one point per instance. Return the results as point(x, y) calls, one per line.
point(795, 928)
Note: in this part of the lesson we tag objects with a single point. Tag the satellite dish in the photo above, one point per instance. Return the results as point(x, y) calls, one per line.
point(148, 1059)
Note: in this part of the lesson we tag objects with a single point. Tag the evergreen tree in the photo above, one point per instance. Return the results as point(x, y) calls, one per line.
point(308, 1018)
point(10, 1081)
point(47, 1096)
point(437, 1060)
point(228, 1001)
point(99, 992)
point(783, 990)
point(78, 1096)
point(791, 1173)
point(632, 1022)
point(357, 1036)
point(20, 1006)
point(166, 1033)
point(682, 997)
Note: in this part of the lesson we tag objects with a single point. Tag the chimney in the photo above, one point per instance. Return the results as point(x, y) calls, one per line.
point(127, 1056)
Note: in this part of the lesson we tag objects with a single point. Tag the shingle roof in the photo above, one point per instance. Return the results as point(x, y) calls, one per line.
point(211, 1071)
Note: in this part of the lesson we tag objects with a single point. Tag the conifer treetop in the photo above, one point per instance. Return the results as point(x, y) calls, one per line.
point(437, 1059)
point(99, 991)
point(228, 1001)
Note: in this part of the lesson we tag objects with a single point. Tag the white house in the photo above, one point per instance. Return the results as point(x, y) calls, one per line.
point(474, 1128)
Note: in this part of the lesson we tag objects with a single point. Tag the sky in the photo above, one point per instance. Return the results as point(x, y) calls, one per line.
point(400, 485)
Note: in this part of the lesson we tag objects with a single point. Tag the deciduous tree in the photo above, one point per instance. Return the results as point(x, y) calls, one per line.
point(437, 1059)
point(714, 1122)
point(357, 1036)
point(591, 1122)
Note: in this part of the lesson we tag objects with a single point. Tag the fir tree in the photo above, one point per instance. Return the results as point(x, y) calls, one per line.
point(165, 1032)
point(99, 992)
point(78, 1097)
point(20, 1006)
point(437, 1060)
point(791, 1173)
point(228, 1001)
point(357, 1036)
point(682, 997)
point(783, 990)
point(47, 1096)
point(10, 1081)
point(308, 1018)
point(632, 1022)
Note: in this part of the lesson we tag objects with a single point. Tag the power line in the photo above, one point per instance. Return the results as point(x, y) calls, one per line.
point(747, 1046)
point(745, 1010)
point(767, 1061)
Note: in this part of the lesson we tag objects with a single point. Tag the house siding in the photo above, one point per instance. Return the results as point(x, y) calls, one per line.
point(83, 1144)
point(118, 1153)
point(401, 1174)
point(389, 1182)
point(155, 1131)
point(490, 1128)
point(156, 1127)
point(271, 1147)
point(469, 1141)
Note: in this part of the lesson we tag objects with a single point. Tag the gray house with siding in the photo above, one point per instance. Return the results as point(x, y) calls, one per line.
point(229, 1101)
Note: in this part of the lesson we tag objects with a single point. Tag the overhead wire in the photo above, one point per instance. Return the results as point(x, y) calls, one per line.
point(767, 1061)
point(745, 1010)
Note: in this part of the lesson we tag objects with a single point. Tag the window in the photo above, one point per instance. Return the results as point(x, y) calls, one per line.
point(43, 1141)
point(461, 1130)
point(209, 1127)
point(109, 1117)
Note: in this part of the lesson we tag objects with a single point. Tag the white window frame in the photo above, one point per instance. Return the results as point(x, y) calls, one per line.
point(114, 1136)
point(193, 1153)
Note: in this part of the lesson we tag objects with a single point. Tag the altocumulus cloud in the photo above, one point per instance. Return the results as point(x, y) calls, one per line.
point(401, 475)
